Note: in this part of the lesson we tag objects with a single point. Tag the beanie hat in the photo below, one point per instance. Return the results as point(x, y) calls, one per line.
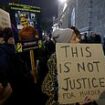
point(62, 35)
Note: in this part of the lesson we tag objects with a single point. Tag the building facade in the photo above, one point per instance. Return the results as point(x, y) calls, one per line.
point(87, 15)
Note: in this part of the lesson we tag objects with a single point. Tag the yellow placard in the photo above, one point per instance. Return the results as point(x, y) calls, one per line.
point(19, 47)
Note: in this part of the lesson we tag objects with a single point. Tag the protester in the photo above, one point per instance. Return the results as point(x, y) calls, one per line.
point(50, 85)
point(76, 31)
point(84, 38)
point(5, 87)
point(94, 38)
point(15, 74)
point(49, 46)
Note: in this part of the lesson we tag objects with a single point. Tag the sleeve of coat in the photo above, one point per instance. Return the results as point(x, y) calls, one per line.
point(47, 85)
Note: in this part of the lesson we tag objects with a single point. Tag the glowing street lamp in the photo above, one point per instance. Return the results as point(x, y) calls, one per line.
point(62, 1)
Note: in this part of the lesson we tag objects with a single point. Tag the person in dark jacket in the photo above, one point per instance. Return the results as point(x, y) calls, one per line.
point(15, 73)
point(5, 87)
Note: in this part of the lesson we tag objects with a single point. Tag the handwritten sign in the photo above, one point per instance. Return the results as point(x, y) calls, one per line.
point(4, 19)
point(81, 72)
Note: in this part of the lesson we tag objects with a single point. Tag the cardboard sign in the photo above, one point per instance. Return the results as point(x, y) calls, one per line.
point(4, 19)
point(81, 72)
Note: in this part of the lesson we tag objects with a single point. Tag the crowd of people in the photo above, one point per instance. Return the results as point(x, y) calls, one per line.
point(16, 80)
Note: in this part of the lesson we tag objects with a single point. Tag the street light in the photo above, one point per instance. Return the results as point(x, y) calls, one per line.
point(62, 1)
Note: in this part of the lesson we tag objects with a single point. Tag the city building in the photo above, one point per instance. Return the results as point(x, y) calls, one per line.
point(86, 15)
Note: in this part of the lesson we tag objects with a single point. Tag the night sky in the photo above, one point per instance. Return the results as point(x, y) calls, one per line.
point(48, 10)
point(49, 7)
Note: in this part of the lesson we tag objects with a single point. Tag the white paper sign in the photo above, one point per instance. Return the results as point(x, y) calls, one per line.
point(4, 19)
point(81, 72)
